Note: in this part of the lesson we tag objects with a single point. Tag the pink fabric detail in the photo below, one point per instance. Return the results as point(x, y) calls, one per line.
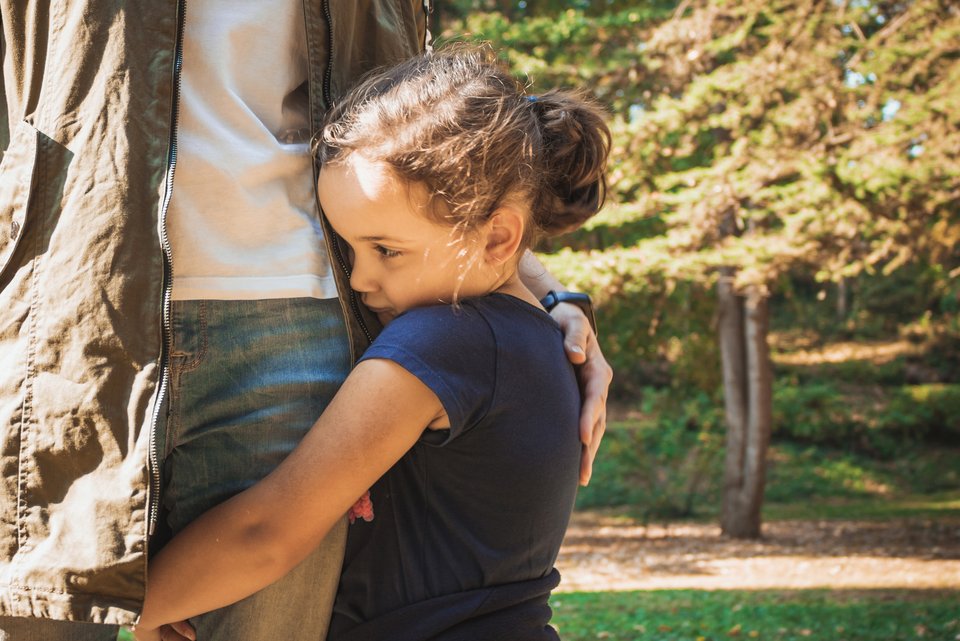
point(362, 509)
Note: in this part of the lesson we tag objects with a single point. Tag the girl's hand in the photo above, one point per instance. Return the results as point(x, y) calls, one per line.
point(179, 631)
point(145, 634)
point(594, 374)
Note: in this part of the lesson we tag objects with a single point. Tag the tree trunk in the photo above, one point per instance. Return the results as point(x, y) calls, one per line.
point(748, 398)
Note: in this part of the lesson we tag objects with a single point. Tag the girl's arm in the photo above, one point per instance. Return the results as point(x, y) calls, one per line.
point(582, 349)
point(256, 537)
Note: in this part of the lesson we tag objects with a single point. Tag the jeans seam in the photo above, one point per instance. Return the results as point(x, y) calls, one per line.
point(178, 366)
point(202, 347)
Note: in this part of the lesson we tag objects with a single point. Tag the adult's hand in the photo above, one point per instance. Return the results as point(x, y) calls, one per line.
point(594, 375)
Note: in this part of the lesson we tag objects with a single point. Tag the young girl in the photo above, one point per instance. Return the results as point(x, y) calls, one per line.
point(438, 174)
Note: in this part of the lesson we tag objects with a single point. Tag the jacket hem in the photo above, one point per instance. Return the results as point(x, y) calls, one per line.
point(18, 601)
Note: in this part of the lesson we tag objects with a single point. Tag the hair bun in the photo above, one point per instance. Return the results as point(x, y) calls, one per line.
point(575, 146)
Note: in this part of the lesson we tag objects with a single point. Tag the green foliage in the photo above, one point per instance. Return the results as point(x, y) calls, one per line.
point(864, 373)
point(818, 615)
point(670, 468)
point(515, 9)
point(798, 472)
point(665, 463)
point(799, 137)
point(655, 331)
point(924, 411)
point(940, 339)
point(876, 305)
point(667, 467)
point(796, 141)
point(816, 482)
point(813, 413)
point(809, 146)
point(571, 48)
point(878, 421)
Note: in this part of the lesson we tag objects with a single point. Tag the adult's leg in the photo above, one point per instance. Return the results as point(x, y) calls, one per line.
point(248, 380)
point(29, 629)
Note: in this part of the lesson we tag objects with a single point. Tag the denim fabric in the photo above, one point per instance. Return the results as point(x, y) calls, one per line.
point(247, 380)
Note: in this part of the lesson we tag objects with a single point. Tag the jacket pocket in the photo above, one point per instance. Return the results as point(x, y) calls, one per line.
point(16, 186)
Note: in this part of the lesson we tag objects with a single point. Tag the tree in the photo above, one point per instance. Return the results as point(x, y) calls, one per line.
point(755, 140)
point(748, 398)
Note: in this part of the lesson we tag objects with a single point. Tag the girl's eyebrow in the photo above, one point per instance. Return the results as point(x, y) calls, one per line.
point(378, 239)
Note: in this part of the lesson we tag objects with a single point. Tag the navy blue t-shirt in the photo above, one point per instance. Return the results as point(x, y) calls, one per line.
point(467, 525)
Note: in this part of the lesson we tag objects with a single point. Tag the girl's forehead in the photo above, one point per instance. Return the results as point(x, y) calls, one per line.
point(364, 198)
point(363, 178)
point(372, 177)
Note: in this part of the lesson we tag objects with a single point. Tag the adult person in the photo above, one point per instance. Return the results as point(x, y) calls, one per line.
point(164, 324)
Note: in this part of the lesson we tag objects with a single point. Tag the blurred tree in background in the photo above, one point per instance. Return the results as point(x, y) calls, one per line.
point(762, 148)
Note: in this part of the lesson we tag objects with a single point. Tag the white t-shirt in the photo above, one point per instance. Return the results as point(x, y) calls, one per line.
point(242, 220)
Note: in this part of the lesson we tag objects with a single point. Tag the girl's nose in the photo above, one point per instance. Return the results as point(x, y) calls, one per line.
point(361, 281)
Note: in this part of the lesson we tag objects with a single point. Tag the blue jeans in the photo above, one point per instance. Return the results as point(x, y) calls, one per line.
point(247, 380)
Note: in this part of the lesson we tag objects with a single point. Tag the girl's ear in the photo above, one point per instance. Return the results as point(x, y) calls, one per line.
point(504, 233)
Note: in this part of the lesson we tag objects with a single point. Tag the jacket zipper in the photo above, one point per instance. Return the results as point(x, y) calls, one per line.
point(334, 242)
point(327, 74)
point(354, 304)
point(167, 346)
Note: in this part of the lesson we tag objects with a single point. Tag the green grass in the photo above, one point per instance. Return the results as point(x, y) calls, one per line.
point(798, 615)
point(805, 615)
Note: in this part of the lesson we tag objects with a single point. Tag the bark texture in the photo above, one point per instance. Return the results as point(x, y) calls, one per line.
point(748, 398)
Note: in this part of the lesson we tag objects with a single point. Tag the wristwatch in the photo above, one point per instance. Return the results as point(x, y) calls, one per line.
point(552, 299)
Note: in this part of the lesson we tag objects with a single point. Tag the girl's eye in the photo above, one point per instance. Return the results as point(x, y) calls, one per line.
point(386, 252)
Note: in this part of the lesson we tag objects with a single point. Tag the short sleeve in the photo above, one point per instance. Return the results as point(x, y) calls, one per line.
point(450, 350)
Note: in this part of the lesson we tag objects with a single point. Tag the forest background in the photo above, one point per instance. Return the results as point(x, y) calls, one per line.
point(800, 158)
point(777, 282)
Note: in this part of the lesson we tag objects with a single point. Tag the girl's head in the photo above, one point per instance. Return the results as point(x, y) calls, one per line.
point(451, 136)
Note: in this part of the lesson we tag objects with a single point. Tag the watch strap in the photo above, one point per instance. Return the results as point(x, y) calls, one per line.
point(581, 300)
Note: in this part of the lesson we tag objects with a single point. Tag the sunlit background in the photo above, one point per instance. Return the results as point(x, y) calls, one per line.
point(778, 281)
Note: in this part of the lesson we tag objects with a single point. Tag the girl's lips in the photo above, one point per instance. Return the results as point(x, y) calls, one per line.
point(378, 310)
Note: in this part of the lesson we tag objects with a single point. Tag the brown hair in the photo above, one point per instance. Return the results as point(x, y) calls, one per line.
point(456, 121)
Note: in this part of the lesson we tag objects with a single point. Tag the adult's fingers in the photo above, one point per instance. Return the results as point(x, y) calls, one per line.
point(576, 331)
point(595, 376)
point(593, 424)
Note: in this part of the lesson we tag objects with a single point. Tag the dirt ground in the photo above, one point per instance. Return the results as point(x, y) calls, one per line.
point(603, 552)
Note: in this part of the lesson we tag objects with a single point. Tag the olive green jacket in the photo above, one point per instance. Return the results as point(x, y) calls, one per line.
point(88, 133)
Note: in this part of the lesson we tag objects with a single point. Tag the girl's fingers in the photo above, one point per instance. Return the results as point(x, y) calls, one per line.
point(184, 629)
